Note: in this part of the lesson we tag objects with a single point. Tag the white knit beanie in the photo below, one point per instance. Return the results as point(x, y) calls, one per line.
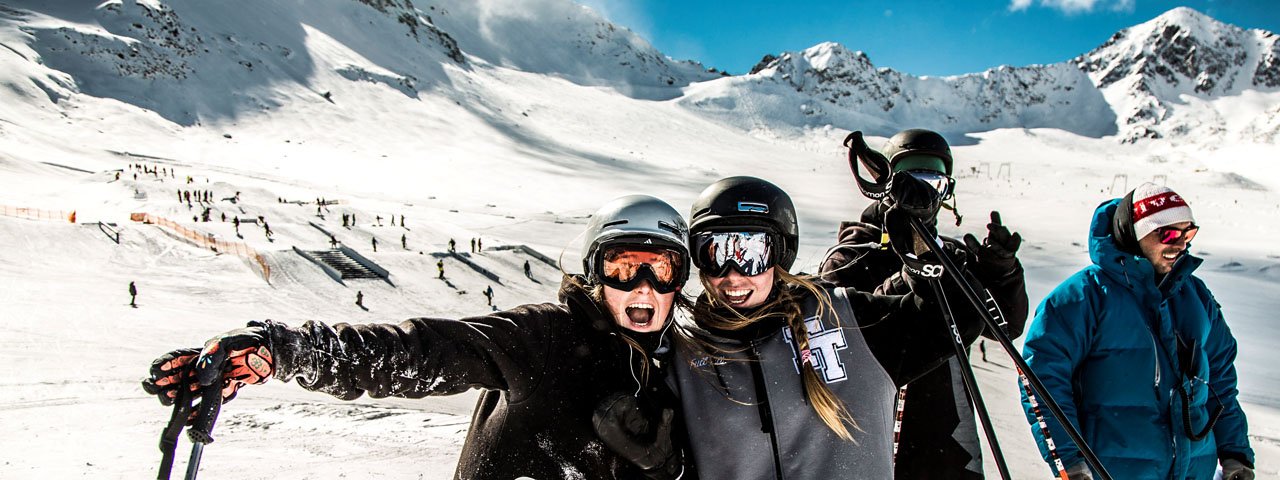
point(1155, 206)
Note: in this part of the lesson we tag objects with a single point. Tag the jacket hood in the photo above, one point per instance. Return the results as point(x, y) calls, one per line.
point(1131, 269)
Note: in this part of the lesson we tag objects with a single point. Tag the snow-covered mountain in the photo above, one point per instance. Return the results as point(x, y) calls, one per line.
point(1162, 77)
point(829, 84)
point(563, 39)
point(187, 60)
point(1182, 76)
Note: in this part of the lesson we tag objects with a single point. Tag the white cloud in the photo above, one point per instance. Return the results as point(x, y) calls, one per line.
point(1073, 6)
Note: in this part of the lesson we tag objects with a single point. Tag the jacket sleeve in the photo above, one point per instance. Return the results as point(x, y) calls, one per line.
point(1232, 430)
point(1056, 344)
point(906, 333)
point(421, 356)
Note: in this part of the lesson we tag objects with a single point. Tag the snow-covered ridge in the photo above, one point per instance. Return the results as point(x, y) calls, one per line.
point(566, 40)
point(829, 84)
point(1161, 79)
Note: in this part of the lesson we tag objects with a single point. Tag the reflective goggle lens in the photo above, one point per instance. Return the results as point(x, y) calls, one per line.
point(749, 253)
point(623, 264)
point(1169, 235)
point(944, 184)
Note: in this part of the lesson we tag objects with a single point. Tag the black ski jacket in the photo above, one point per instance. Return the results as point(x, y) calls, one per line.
point(544, 368)
point(939, 438)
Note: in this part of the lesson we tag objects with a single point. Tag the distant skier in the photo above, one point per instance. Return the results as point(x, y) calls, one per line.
point(479, 245)
point(402, 221)
point(344, 220)
point(379, 219)
point(359, 299)
point(451, 246)
point(404, 242)
point(235, 221)
point(488, 295)
point(133, 295)
point(375, 244)
point(393, 220)
point(527, 271)
point(440, 268)
point(982, 347)
point(473, 245)
point(333, 242)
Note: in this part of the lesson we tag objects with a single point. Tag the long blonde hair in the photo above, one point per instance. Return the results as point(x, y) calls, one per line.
point(787, 305)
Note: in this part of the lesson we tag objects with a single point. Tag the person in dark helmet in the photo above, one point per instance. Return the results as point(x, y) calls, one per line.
point(939, 437)
point(781, 377)
point(1136, 351)
point(545, 368)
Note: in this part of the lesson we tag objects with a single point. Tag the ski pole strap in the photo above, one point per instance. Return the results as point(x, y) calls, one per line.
point(1044, 427)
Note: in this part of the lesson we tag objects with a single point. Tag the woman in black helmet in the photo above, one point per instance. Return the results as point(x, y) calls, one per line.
point(545, 368)
point(779, 377)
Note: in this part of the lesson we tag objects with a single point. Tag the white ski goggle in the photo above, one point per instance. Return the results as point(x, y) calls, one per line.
point(748, 253)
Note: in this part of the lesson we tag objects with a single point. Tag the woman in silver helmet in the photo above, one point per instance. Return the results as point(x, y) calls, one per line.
point(544, 369)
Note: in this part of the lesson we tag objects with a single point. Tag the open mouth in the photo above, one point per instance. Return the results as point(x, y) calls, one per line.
point(640, 314)
point(1171, 256)
point(736, 297)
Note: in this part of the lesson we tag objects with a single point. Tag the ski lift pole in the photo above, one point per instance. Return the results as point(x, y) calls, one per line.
point(1032, 380)
point(201, 429)
point(970, 384)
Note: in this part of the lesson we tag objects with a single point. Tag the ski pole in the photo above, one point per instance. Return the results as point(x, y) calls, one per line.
point(1032, 380)
point(201, 429)
point(177, 420)
point(971, 384)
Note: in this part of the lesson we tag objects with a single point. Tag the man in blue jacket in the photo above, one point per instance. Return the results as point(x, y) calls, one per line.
point(1135, 350)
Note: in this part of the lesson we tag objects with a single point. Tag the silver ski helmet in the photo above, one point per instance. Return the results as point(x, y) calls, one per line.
point(641, 221)
point(748, 204)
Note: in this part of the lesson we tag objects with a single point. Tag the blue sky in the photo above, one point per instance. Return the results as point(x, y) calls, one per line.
point(920, 37)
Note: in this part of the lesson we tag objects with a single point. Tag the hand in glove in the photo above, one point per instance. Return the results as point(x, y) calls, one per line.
point(621, 424)
point(999, 244)
point(1079, 471)
point(913, 199)
point(1233, 469)
point(235, 358)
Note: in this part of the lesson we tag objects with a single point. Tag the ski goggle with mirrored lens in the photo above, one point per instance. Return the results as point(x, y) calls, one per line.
point(1170, 234)
point(748, 253)
point(623, 267)
point(945, 185)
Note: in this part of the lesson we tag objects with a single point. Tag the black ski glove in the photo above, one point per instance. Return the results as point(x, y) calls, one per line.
point(999, 248)
point(235, 358)
point(621, 424)
point(912, 199)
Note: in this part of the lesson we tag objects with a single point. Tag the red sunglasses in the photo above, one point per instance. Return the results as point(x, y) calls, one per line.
point(1170, 234)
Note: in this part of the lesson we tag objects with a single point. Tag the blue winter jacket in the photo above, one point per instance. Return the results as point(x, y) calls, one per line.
point(1105, 343)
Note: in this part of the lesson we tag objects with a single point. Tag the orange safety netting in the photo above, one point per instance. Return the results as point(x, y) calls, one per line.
point(207, 240)
point(38, 214)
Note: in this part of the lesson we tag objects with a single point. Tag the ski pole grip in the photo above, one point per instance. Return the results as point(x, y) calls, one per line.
point(201, 429)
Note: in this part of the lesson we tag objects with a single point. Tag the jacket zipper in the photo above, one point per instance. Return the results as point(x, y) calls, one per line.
point(766, 410)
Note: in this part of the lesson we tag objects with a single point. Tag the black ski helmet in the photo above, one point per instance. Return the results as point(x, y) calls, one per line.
point(636, 220)
point(917, 141)
point(748, 204)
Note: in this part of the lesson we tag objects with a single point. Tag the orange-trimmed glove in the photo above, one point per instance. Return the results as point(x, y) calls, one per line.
point(235, 358)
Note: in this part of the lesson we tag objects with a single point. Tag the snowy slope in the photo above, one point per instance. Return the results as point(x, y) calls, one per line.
point(516, 154)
